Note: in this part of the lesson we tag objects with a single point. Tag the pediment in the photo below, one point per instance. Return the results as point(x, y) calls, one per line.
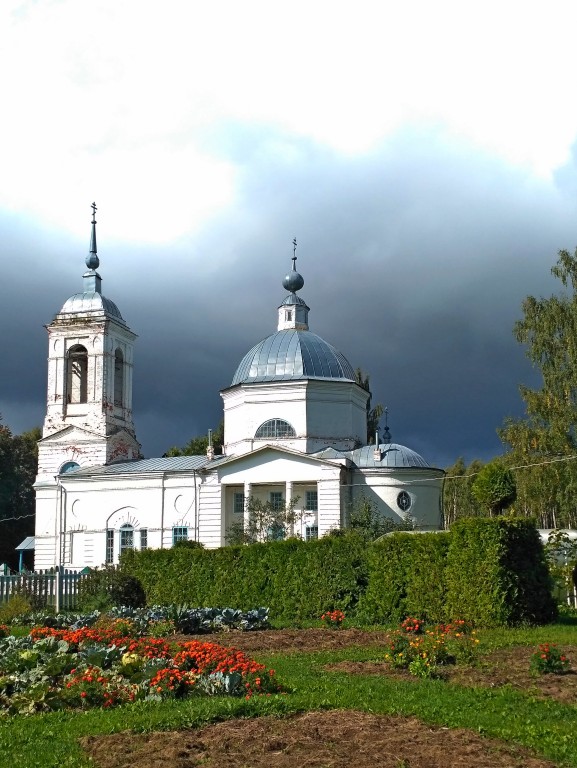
point(267, 453)
point(272, 461)
point(72, 434)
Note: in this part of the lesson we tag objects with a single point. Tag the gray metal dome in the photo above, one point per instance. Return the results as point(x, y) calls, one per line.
point(292, 354)
point(392, 455)
point(90, 301)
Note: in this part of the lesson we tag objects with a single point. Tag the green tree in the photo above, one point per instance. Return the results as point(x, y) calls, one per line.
point(197, 446)
point(364, 518)
point(561, 556)
point(458, 500)
point(494, 488)
point(18, 470)
point(547, 436)
point(373, 414)
point(264, 521)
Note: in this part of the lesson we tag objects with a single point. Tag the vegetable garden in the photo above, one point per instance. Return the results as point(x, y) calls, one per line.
point(108, 694)
point(172, 684)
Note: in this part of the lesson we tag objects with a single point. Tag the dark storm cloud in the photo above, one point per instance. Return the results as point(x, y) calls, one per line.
point(416, 259)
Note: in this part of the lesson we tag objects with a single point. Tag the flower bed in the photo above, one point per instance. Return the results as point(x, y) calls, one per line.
point(422, 651)
point(549, 660)
point(89, 667)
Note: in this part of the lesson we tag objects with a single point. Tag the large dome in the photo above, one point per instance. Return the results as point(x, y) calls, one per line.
point(293, 354)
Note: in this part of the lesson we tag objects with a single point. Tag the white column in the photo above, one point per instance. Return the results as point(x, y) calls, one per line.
point(247, 495)
point(288, 499)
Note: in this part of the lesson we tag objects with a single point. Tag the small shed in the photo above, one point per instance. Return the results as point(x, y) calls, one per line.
point(28, 544)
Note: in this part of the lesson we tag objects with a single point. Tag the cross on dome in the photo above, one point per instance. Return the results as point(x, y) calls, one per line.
point(293, 281)
point(92, 260)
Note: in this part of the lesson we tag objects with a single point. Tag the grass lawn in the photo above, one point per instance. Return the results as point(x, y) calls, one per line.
point(516, 716)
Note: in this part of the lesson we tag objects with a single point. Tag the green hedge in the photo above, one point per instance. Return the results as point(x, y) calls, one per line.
point(491, 571)
point(497, 574)
point(406, 578)
point(295, 579)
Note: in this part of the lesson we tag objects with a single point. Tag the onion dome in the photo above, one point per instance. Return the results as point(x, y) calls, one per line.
point(293, 281)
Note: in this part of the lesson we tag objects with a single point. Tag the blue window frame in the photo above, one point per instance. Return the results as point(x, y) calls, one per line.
point(179, 533)
point(311, 532)
point(312, 501)
point(69, 466)
point(110, 546)
point(238, 503)
point(276, 532)
point(276, 500)
point(276, 429)
point(126, 538)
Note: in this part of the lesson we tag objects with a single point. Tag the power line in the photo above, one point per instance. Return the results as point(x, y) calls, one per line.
point(21, 517)
point(519, 466)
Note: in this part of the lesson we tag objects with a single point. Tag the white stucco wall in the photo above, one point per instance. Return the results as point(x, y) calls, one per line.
point(322, 413)
point(154, 502)
point(424, 487)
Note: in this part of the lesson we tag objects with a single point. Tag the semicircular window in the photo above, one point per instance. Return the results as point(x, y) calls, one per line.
point(276, 429)
point(70, 466)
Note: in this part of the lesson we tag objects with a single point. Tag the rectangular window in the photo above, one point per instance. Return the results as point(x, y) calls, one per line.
point(144, 538)
point(276, 532)
point(179, 533)
point(276, 500)
point(126, 538)
point(109, 546)
point(238, 504)
point(118, 379)
point(311, 532)
point(312, 501)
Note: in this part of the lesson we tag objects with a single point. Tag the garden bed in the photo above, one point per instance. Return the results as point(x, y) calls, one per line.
point(338, 738)
point(294, 640)
point(506, 666)
point(343, 734)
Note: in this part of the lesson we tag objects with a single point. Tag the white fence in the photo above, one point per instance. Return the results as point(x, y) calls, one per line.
point(57, 587)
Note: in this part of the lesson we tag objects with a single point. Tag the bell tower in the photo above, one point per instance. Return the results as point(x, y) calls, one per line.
point(89, 400)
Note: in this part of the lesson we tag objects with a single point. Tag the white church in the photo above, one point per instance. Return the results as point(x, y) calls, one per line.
point(294, 431)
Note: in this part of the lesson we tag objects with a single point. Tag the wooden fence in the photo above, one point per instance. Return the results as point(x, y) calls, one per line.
point(57, 587)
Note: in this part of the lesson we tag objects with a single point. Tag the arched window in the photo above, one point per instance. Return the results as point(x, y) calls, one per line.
point(77, 375)
point(126, 538)
point(275, 428)
point(118, 378)
point(69, 466)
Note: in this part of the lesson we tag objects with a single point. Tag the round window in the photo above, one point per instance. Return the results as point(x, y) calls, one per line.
point(404, 501)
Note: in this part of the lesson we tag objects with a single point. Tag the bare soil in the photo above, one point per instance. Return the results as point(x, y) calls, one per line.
point(338, 739)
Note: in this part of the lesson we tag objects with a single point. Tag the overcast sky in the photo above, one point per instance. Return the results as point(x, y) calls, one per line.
point(423, 154)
